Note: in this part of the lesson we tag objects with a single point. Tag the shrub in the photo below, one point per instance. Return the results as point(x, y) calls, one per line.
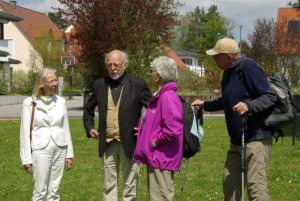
point(190, 83)
point(23, 82)
point(3, 84)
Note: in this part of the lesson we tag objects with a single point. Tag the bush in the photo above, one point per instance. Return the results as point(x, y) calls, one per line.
point(18, 82)
point(190, 83)
point(23, 82)
point(3, 84)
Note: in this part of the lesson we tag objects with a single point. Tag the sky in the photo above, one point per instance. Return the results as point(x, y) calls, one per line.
point(240, 12)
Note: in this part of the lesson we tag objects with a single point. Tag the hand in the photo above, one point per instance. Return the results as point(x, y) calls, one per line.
point(68, 163)
point(198, 104)
point(241, 108)
point(94, 134)
point(136, 130)
point(28, 168)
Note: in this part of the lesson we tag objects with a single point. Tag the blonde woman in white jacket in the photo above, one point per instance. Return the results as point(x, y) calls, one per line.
point(49, 149)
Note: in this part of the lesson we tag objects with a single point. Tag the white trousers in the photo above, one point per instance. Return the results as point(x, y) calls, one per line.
point(48, 167)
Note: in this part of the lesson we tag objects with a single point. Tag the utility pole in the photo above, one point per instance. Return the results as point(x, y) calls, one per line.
point(241, 37)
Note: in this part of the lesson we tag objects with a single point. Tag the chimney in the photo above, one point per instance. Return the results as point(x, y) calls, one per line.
point(13, 4)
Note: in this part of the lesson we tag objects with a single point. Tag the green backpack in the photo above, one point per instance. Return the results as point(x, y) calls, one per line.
point(285, 109)
point(284, 112)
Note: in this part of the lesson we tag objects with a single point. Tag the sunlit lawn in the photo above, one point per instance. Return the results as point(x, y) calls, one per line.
point(204, 176)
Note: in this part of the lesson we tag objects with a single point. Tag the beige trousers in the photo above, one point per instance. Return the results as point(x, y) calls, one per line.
point(113, 158)
point(160, 185)
point(256, 164)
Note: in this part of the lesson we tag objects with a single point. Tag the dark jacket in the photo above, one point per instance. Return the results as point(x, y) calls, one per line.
point(251, 87)
point(135, 95)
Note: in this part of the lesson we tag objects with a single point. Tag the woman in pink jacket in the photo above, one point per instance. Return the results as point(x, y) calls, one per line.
point(160, 136)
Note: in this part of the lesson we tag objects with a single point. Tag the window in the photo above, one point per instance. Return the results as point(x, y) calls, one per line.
point(293, 26)
point(1, 31)
point(187, 61)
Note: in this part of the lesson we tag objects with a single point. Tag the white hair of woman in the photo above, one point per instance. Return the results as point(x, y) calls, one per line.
point(166, 68)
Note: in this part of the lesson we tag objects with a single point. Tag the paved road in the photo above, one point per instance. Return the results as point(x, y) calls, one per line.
point(11, 106)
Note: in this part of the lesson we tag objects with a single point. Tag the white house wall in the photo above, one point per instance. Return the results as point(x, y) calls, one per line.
point(20, 45)
point(195, 67)
point(199, 70)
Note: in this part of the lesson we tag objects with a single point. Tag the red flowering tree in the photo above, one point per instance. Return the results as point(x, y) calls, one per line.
point(136, 26)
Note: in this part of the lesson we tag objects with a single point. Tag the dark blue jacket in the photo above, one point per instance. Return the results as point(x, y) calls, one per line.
point(251, 87)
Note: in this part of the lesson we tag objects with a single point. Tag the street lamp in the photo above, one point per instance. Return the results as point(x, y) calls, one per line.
point(241, 37)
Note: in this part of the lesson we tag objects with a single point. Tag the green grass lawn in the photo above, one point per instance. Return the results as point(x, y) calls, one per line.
point(204, 176)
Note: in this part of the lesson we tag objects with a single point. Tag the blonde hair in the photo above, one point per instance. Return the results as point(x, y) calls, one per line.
point(40, 81)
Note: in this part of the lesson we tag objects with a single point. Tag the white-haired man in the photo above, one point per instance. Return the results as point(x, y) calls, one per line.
point(245, 93)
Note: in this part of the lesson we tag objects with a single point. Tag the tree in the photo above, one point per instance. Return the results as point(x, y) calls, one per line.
point(199, 31)
point(216, 27)
point(245, 47)
point(262, 42)
point(136, 26)
point(56, 19)
point(48, 48)
point(294, 4)
point(190, 30)
point(275, 48)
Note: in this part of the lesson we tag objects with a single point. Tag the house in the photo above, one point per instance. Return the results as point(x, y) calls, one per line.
point(191, 59)
point(288, 35)
point(170, 53)
point(22, 34)
point(185, 59)
point(6, 47)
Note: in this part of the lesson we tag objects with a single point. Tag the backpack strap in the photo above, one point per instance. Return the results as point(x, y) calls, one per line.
point(31, 121)
point(242, 78)
point(200, 116)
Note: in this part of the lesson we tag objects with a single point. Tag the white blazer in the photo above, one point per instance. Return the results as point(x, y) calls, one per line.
point(49, 121)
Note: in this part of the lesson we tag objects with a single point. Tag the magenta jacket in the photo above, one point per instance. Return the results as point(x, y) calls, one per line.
point(163, 121)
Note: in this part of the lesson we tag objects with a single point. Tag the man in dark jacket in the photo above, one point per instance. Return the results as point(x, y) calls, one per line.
point(247, 94)
point(120, 98)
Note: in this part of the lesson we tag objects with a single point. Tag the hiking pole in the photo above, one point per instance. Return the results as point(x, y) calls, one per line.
point(244, 124)
point(183, 182)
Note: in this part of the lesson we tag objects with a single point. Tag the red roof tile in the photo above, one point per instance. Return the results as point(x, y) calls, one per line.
point(174, 56)
point(33, 22)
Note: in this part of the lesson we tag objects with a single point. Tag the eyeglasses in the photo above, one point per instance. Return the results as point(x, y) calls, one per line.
point(115, 65)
